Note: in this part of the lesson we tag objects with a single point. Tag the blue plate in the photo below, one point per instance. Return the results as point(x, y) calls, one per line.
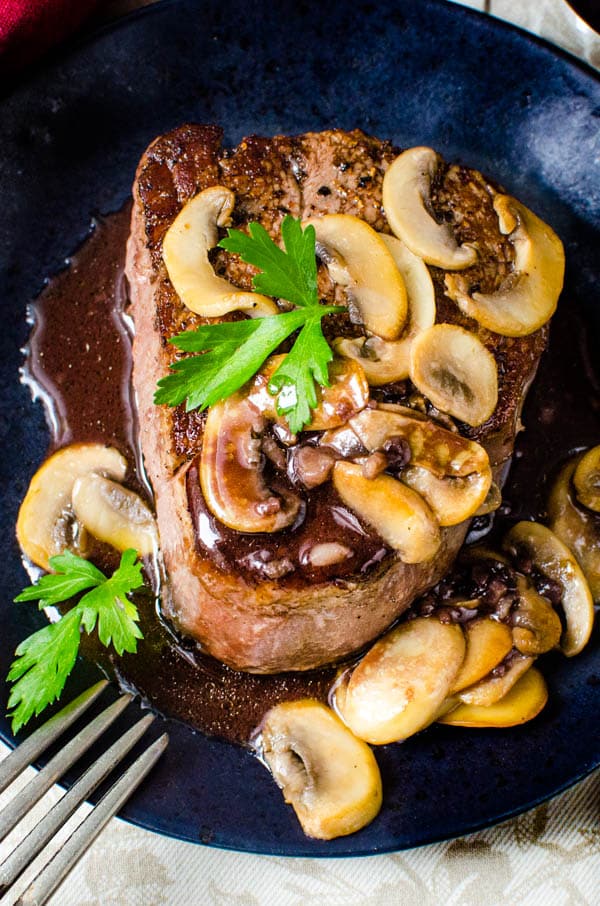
point(419, 73)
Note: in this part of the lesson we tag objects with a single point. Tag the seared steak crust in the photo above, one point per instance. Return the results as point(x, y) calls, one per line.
point(306, 619)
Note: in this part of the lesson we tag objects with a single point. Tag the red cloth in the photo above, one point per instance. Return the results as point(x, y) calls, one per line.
point(30, 27)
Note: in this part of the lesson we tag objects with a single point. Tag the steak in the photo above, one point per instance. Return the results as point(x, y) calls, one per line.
point(256, 602)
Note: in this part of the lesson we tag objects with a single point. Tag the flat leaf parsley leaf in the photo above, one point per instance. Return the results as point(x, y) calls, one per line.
point(295, 378)
point(232, 353)
point(44, 660)
point(289, 274)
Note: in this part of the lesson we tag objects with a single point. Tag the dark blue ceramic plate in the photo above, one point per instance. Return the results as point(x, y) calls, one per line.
point(417, 72)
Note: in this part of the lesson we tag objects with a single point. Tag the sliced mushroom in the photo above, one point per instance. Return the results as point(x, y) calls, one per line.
point(536, 625)
point(494, 687)
point(113, 514)
point(45, 522)
point(343, 442)
point(492, 501)
point(529, 295)
point(454, 370)
point(407, 206)
point(185, 252)
point(452, 499)
point(586, 479)
point(231, 470)
point(576, 527)
point(522, 703)
point(488, 643)
point(399, 686)
point(385, 361)
point(556, 561)
point(231, 463)
point(400, 516)
point(329, 777)
point(357, 258)
point(441, 452)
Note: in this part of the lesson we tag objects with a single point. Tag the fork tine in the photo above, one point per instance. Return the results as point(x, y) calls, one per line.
point(34, 745)
point(28, 849)
point(62, 761)
point(44, 885)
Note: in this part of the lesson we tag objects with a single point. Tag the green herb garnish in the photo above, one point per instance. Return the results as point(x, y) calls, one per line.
point(232, 353)
point(44, 660)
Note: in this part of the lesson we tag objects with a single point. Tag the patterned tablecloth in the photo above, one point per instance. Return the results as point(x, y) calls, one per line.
point(546, 857)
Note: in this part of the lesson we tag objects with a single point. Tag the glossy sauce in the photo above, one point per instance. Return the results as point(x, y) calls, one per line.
point(79, 362)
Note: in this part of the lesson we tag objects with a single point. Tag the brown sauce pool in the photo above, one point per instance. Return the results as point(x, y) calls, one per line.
point(79, 362)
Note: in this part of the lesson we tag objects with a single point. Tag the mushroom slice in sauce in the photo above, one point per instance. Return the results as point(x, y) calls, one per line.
point(46, 510)
point(402, 682)
point(232, 463)
point(529, 295)
point(441, 452)
point(231, 470)
point(492, 688)
point(553, 559)
point(576, 526)
point(452, 499)
point(114, 514)
point(536, 625)
point(586, 479)
point(488, 643)
point(523, 702)
point(399, 515)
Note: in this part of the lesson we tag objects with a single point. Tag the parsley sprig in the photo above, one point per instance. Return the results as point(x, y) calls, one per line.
point(232, 353)
point(44, 660)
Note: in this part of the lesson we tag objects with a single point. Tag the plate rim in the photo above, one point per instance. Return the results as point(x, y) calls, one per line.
point(78, 42)
point(61, 55)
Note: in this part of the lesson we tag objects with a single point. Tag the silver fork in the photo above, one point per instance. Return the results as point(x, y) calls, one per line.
point(54, 872)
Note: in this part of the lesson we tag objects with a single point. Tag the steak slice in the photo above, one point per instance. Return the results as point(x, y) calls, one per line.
point(254, 601)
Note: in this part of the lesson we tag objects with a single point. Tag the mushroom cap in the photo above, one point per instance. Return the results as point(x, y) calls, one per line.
point(555, 560)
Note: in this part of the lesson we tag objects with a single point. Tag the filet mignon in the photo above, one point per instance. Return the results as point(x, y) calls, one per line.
point(256, 602)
